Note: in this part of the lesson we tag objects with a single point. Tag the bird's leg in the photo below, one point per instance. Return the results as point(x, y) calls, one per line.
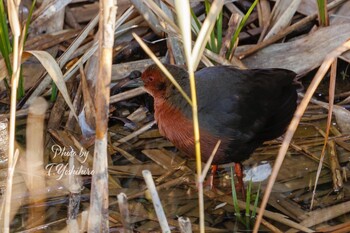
point(239, 174)
point(210, 181)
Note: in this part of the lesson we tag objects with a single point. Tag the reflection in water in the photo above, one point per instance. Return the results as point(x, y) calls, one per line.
point(258, 172)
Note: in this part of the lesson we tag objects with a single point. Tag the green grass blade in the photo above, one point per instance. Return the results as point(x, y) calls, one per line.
point(322, 12)
point(197, 27)
point(207, 6)
point(256, 202)
point(247, 205)
point(219, 32)
point(20, 88)
point(21, 91)
point(240, 26)
point(204, 34)
point(29, 19)
point(211, 43)
point(215, 40)
point(4, 29)
point(234, 196)
point(248, 195)
point(5, 44)
point(54, 93)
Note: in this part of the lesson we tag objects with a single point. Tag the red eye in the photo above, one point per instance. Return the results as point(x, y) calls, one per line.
point(150, 78)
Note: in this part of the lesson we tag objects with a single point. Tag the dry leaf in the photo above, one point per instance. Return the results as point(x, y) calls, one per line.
point(55, 72)
point(342, 15)
point(281, 16)
point(301, 55)
point(342, 115)
point(307, 7)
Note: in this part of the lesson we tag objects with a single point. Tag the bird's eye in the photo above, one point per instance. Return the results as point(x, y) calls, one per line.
point(150, 79)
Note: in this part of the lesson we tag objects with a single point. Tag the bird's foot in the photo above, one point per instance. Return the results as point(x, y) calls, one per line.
point(240, 183)
point(209, 184)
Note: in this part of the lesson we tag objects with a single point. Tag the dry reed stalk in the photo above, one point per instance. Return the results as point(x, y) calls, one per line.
point(74, 197)
point(88, 101)
point(169, 184)
point(210, 160)
point(264, 14)
point(174, 46)
point(132, 159)
point(160, 13)
point(294, 124)
point(135, 134)
point(323, 215)
point(156, 201)
point(223, 61)
point(18, 187)
point(72, 226)
point(127, 94)
point(4, 139)
point(70, 123)
point(281, 17)
point(193, 57)
point(35, 160)
point(232, 26)
point(13, 14)
point(337, 228)
point(98, 215)
point(185, 225)
point(333, 164)
point(124, 211)
point(271, 227)
point(170, 172)
point(332, 156)
point(335, 167)
point(150, 17)
point(47, 10)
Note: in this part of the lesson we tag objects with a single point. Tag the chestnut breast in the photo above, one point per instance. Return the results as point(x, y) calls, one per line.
point(179, 130)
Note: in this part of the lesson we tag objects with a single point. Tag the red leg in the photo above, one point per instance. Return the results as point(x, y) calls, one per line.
point(239, 174)
point(210, 181)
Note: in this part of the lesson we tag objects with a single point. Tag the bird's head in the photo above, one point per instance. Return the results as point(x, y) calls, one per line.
point(155, 81)
point(157, 84)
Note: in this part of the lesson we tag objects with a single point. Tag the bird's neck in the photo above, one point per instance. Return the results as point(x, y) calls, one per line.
point(160, 106)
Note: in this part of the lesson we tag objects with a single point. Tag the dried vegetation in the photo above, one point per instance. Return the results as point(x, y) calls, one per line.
point(48, 196)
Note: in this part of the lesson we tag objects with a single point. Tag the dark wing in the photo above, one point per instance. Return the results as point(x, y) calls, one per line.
point(245, 104)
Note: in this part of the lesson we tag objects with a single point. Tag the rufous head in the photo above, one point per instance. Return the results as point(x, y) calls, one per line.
point(157, 84)
point(155, 81)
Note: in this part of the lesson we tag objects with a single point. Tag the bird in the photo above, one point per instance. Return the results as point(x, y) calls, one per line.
point(241, 107)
